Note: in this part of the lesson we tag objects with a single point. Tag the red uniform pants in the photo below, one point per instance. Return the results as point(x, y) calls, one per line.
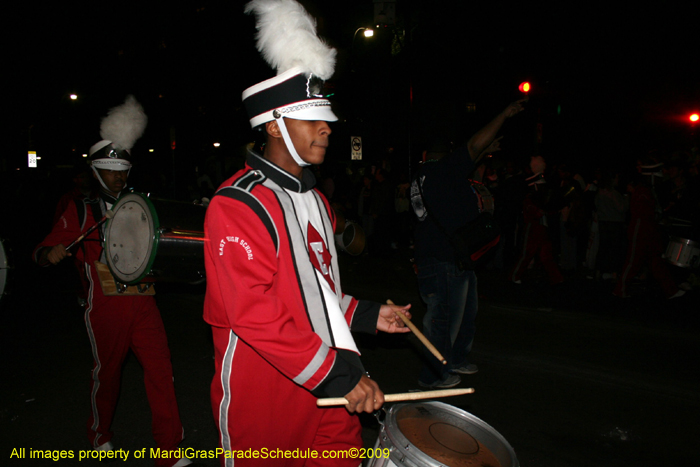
point(645, 247)
point(115, 325)
point(535, 240)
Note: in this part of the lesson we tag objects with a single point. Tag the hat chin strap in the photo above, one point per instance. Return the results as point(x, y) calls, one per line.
point(99, 178)
point(289, 144)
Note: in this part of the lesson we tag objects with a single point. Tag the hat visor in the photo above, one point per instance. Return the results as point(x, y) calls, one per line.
point(117, 165)
point(315, 109)
point(313, 113)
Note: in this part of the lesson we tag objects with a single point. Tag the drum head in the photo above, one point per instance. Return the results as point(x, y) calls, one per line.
point(130, 238)
point(440, 434)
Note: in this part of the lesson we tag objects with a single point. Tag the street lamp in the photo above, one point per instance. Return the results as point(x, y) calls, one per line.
point(368, 32)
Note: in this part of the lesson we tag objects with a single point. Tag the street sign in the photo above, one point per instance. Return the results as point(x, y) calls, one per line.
point(356, 148)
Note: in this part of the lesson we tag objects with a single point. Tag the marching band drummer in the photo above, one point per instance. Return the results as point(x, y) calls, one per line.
point(116, 324)
point(280, 321)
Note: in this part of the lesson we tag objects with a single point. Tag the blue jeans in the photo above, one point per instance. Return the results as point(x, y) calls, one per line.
point(452, 300)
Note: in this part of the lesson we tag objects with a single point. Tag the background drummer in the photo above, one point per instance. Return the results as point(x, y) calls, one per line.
point(280, 321)
point(644, 240)
point(116, 324)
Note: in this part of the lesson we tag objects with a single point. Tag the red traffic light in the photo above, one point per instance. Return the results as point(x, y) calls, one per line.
point(524, 87)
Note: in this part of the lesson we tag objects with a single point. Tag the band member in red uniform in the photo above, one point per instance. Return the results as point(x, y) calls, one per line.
point(280, 320)
point(116, 324)
point(645, 245)
point(535, 236)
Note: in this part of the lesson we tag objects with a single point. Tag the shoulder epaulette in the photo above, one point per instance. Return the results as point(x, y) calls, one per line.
point(240, 190)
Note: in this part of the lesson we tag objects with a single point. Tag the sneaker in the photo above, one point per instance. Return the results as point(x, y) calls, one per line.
point(468, 369)
point(678, 294)
point(450, 381)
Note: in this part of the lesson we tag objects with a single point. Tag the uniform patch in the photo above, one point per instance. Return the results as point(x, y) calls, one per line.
point(239, 241)
point(319, 254)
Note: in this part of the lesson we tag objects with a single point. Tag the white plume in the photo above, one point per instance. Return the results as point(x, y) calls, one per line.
point(287, 38)
point(124, 124)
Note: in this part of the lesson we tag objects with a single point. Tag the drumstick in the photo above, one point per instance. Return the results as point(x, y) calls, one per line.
point(420, 336)
point(403, 396)
point(108, 215)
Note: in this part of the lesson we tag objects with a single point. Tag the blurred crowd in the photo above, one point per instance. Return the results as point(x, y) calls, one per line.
point(584, 215)
point(584, 212)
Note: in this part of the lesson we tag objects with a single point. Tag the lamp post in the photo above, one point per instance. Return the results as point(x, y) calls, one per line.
point(368, 32)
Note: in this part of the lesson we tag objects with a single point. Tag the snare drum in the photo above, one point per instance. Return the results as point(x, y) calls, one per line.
point(483, 196)
point(683, 252)
point(352, 240)
point(434, 434)
point(149, 239)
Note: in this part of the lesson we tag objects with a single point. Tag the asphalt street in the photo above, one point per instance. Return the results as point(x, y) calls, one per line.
point(569, 376)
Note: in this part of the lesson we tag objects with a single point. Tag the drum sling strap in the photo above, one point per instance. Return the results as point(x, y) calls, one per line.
point(82, 217)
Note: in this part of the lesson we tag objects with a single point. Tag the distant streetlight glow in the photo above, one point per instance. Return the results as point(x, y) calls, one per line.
point(216, 145)
point(694, 117)
point(367, 32)
point(524, 87)
point(73, 97)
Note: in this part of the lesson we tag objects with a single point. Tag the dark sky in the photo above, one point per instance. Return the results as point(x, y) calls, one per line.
point(624, 79)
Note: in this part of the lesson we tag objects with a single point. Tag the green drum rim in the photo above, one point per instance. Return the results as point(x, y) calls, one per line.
point(155, 237)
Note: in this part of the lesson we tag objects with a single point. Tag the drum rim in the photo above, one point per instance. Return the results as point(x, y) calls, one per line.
point(685, 241)
point(5, 263)
point(358, 232)
point(5, 266)
point(407, 450)
point(155, 237)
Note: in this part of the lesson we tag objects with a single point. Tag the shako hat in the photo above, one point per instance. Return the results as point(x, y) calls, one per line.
point(287, 40)
point(119, 129)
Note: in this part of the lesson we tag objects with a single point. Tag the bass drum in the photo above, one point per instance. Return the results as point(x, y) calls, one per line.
point(352, 239)
point(149, 240)
point(339, 220)
point(434, 434)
